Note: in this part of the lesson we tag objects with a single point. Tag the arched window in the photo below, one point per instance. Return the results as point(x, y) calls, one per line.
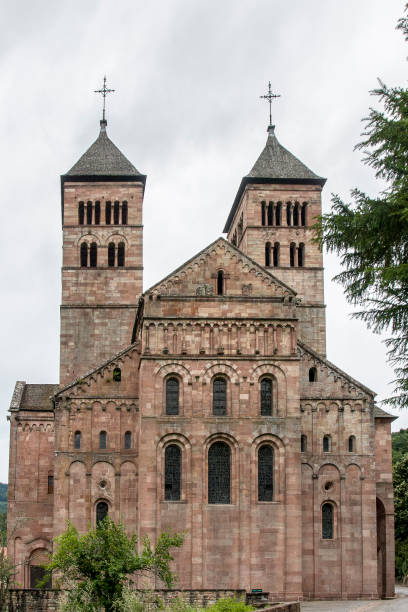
point(172, 473)
point(352, 444)
point(276, 254)
point(312, 374)
point(121, 254)
point(292, 254)
point(327, 521)
point(326, 444)
point(263, 213)
point(124, 213)
point(97, 213)
point(219, 473)
point(128, 440)
point(108, 213)
point(77, 440)
point(278, 213)
point(50, 484)
point(288, 213)
point(81, 213)
point(102, 511)
point(270, 213)
point(303, 443)
point(89, 213)
point(303, 214)
point(301, 255)
point(265, 473)
point(84, 255)
point(267, 254)
point(172, 396)
point(93, 255)
point(111, 254)
point(234, 238)
point(266, 397)
point(117, 374)
point(220, 282)
point(116, 213)
point(296, 214)
point(219, 397)
point(102, 440)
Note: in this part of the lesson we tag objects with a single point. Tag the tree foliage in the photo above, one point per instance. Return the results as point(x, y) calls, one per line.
point(370, 234)
point(400, 477)
point(97, 566)
point(399, 444)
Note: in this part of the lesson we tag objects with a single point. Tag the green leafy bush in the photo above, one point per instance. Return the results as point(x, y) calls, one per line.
point(228, 604)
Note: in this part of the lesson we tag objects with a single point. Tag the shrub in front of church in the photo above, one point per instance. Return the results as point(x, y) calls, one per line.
point(95, 567)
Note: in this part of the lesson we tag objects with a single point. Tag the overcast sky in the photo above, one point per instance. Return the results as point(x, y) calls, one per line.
point(188, 75)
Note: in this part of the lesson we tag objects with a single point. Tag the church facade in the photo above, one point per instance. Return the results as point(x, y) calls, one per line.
point(205, 404)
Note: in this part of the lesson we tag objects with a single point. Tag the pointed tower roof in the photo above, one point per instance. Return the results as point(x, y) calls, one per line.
point(103, 161)
point(275, 165)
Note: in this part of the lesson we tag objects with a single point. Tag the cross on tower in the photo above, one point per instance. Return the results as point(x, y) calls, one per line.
point(104, 91)
point(270, 97)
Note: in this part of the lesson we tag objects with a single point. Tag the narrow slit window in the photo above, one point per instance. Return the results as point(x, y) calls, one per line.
point(128, 440)
point(263, 213)
point(303, 214)
point(108, 213)
point(84, 255)
point(265, 473)
point(301, 255)
point(116, 213)
point(172, 473)
point(219, 397)
point(97, 213)
point(292, 254)
point(327, 522)
point(326, 444)
point(50, 484)
point(121, 254)
point(81, 213)
point(352, 444)
point(266, 397)
point(93, 255)
point(124, 213)
point(111, 254)
point(102, 511)
point(102, 440)
point(312, 374)
point(220, 282)
point(267, 254)
point(303, 443)
point(219, 473)
point(77, 440)
point(278, 214)
point(276, 254)
point(117, 375)
point(89, 213)
point(172, 396)
point(270, 213)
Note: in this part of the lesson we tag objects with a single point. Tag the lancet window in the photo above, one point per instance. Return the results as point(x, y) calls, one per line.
point(172, 473)
point(172, 396)
point(266, 397)
point(327, 521)
point(265, 473)
point(219, 473)
point(219, 397)
point(102, 511)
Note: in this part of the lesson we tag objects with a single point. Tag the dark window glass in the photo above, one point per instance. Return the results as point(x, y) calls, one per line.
point(220, 397)
point(303, 214)
point(326, 444)
point(263, 215)
point(219, 473)
point(84, 255)
point(220, 282)
point(172, 396)
point(117, 374)
point(327, 522)
point(301, 255)
point(265, 473)
point(121, 254)
point(81, 213)
point(89, 213)
point(77, 439)
point(124, 213)
point(97, 213)
point(50, 484)
point(270, 213)
point(352, 444)
point(266, 397)
point(93, 255)
point(116, 213)
point(278, 213)
point(102, 510)
point(111, 254)
point(288, 213)
point(128, 440)
point(303, 443)
point(102, 440)
point(267, 254)
point(172, 473)
point(312, 375)
point(292, 254)
point(276, 254)
point(296, 214)
point(108, 213)
point(37, 574)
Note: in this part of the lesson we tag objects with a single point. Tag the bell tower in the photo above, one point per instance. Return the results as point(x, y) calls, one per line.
point(270, 220)
point(102, 268)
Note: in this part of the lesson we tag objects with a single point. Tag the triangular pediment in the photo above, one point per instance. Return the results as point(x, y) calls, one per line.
point(243, 276)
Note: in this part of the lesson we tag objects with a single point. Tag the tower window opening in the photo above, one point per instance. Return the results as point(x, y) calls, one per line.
point(128, 440)
point(296, 214)
point(263, 213)
point(117, 375)
point(292, 254)
point(266, 397)
point(81, 213)
point(303, 214)
point(276, 254)
point(265, 473)
point(313, 374)
point(172, 473)
point(220, 282)
point(352, 444)
point(77, 440)
point(116, 213)
point(267, 254)
point(301, 255)
point(111, 254)
point(219, 397)
point(124, 213)
point(240, 227)
point(97, 213)
point(219, 473)
point(108, 213)
point(121, 254)
point(89, 213)
point(303, 443)
point(93, 255)
point(102, 510)
point(50, 484)
point(102, 440)
point(327, 522)
point(278, 214)
point(326, 444)
point(84, 255)
point(234, 238)
point(288, 214)
point(270, 213)
point(172, 396)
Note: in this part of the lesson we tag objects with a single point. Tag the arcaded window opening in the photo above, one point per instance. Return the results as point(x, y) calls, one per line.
point(303, 443)
point(116, 213)
point(327, 521)
point(352, 444)
point(301, 255)
point(219, 473)
point(219, 397)
point(296, 214)
point(124, 213)
point(263, 213)
point(111, 254)
point(108, 213)
point(102, 440)
point(326, 444)
point(128, 440)
point(84, 255)
point(288, 214)
point(313, 374)
point(102, 511)
point(276, 254)
point(265, 473)
point(267, 254)
point(172, 473)
point(89, 213)
point(81, 213)
point(292, 254)
point(77, 440)
point(303, 214)
point(172, 396)
point(266, 397)
point(97, 213)
point(278, 214)
point(93, 255)
point(220, 282)
point(270, 213)
point(121, 254)
point(117, 374)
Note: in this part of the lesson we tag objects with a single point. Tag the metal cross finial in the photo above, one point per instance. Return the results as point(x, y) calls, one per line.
point(270, 97)
point(104, 91)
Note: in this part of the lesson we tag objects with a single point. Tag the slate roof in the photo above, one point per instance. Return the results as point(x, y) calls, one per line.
point(103, 158)
point(275, 165)
point(37, 397)
point(379, 413)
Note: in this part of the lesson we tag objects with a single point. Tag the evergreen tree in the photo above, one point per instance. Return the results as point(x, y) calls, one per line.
point(371, 234)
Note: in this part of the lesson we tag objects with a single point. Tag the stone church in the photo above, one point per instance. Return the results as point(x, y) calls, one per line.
point(206, 403)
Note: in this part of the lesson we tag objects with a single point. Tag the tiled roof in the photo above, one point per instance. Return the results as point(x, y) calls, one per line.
point(37, 397)
point(379, 413)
